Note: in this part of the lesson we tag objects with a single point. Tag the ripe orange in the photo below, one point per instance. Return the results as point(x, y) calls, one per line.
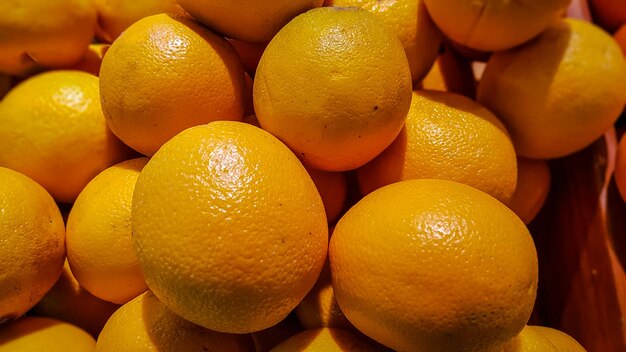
point(38, 34)
point(561, 340)
point(248, 20)
point(452, 73)
point(333, 189)
point(346, 97)
point(559, 92)
point(69, 302)
point(453, 268)
point(52, 129)
point(610, 14)
point(33, 243)
point(447, 136)
point(98, 240)
point(92, 59)
point(167, 73)
point(533, 185)
point(410, 21)
point(145, 324)
point(115, 16)
point(232, 190)
point(34, 334)
point(491, 25)
point(327, 340)
point(250, 53)
point(531, 340)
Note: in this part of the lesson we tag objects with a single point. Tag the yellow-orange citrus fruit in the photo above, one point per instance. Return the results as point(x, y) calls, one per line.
point(35, 334)
point(319, 308)
point(620, 168)
point(559, 92)
point(98, 237)
point(451, 73)
point(610, 14)
point(228, 227)
point(52, 129)
point(531, 340)
point(346, 97)
point(327, 340)
point(248, 20)
point(561, 340)
point(454, 269)
point(620, 37)
point(69, 302)
point(533, 185)
point(145, 324)
point(333, 189)
point(115, 16)
point(39, 34)
point(410, 21)
point(33, 243)
point(167, 73)
point(92, 59)
point(269, 338)
point(447, 136)
point(490, 25)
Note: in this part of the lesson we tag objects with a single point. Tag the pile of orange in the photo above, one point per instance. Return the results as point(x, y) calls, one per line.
point(287, 175)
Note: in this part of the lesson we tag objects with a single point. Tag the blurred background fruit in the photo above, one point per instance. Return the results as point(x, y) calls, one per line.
point(328, 340)
point(36, 334)
point(533, 185)
point(92, 59)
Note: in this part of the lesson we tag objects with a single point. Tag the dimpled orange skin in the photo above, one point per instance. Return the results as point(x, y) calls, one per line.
point(69, 302)
point(33, 243)
point(39, 34)
point(561, 340)
point(453, 268)
point(492, 25)
point(248, 20)
point(167, 73)
point(533, 185)
point(115, 16)
point(327, 340)
point(410, 21)
point(98, 236)
point(345, 99)
point(36, 334)
point(145, 324)
point(52, 129)
point(557, 93)
point(620, 168)
point(447, 136)
point(228, 227)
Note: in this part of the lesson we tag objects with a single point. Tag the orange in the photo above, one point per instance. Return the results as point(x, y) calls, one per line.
point(232, 190)
point(333, 189)
point(491, 25)
point(250, 53)
point(319, 308)
point(346, 97)
point(115, 16)
point(92, 59)
point(145, 324)
point(248, 20)
point(561, 340)
point(99, 245)
point(620, 37)
point(610, 14)
point(33, 243)
point(620, 168)
point(452, 73)
point(447, 136)
point(531, 340)
point(327, 340)
point(533, 185)
point(39, 34)
point(453, 268)
point(559, 92)
point(167, 73)
point(413, 26)
point(52, 129)
point(32, 334)
point(69, 302)
point(269, 338)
